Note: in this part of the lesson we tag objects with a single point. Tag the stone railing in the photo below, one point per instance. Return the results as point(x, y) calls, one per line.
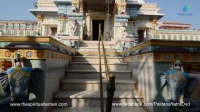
point(193, 35)
point(20, 32)
point(149, 5)
point(131, 1)
point(45, 1)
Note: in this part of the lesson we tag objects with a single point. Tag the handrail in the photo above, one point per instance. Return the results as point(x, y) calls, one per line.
point(100, 74)
point(110, 78)
point(104, 54)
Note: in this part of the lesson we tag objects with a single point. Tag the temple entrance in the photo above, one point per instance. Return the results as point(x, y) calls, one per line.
point(95, 28)
point(140, 36)
point(53, 31)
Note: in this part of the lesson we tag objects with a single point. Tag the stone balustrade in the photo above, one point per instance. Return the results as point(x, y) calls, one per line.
point(149, 5)
point(45, 1)
point(193, 35)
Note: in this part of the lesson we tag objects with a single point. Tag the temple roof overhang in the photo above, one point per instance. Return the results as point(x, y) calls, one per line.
point(35, 11)
point(173, 24)
point(158, 15)
point(63, 2)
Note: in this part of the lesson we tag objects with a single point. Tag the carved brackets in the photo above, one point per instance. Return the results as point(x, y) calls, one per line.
point(152, 48)
point(191, 49)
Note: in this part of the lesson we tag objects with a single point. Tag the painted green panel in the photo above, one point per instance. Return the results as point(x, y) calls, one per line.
point(159, 95)
point(38, 91)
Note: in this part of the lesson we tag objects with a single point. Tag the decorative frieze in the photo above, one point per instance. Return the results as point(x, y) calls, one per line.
point(164, 57)
point(33, 54)
point(148, 57)
point(170, 57)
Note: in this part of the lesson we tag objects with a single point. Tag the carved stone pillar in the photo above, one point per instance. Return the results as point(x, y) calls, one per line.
point(81, 6)
point(39, 19)
point(88, 23)
point(43, 30)
point(153, 22)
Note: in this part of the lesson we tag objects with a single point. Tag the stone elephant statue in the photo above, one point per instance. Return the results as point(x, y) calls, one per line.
point(179, 85)
point(14, 85)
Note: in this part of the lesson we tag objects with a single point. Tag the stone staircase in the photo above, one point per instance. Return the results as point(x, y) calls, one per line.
point(80, 89)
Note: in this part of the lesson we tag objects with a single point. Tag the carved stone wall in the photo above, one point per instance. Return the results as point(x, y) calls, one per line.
point(48, 19)
point(143, 22)
point(132, 29)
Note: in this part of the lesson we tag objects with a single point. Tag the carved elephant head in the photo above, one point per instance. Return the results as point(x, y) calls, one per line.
point(17, 79)
point(178, 84)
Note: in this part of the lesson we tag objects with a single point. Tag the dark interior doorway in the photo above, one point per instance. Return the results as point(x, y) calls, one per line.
point(140, 36)
point(95, 28)
point(53, 31)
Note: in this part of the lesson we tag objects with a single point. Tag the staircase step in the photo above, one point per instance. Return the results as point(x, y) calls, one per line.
point(94, 84)
point(96, 42)
point(95, 66)
point(96, 59)
point(96, 46)
point(80, 53)
point(96, 49)
point(97, 71)
point(92, 98)
point(95, 75)
point(98, 109)
point(92, 74)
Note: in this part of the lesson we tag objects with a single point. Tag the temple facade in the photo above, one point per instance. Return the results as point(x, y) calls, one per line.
point(80, 18)
point(118, 18)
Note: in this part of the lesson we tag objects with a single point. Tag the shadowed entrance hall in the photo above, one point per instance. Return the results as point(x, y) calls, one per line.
point(95, 28)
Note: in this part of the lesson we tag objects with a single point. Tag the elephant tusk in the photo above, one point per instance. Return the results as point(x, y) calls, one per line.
point(169, 96)
point(11, 96)
point(181, 98)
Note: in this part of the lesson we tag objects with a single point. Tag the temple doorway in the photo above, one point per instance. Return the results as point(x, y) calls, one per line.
point(140, 36)
point(53, 31)
point(95, 28)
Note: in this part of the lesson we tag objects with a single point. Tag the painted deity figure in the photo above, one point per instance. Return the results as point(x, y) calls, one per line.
point(73, 28)
point(17, 61)
point(74, 9)
point(177, 65)
point(122, 11)
point(123, 30)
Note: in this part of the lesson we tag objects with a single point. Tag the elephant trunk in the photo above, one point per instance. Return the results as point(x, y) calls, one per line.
point(175, 96)
point(18, 94)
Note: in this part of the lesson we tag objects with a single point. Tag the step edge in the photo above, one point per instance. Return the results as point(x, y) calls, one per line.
point(94, 57)
point(132, 97)
point(70, 71)
point(97, 63)
point(96, 81)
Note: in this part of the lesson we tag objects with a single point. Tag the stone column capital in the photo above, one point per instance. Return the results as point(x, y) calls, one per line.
point(40, 17)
